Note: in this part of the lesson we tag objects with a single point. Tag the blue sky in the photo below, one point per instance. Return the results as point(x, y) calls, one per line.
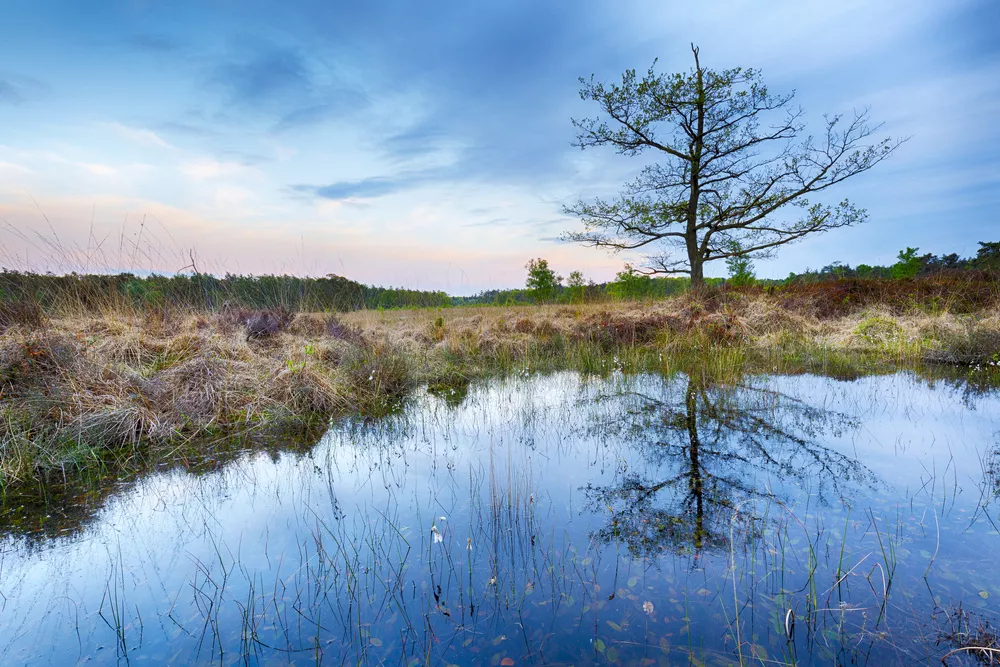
point(429, 144)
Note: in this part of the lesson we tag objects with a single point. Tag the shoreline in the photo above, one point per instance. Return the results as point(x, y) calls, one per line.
point(118, 389)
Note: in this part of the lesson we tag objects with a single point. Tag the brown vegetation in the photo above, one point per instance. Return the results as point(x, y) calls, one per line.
point(76, 390)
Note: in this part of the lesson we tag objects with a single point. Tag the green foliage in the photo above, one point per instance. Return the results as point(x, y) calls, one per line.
point(715, 134)
point(908, 265)
point(576, 284)
point(864, 271)
point(542, 282)
point(988, 256)
point(629, 284)
point(207, 292)
point(740, 267)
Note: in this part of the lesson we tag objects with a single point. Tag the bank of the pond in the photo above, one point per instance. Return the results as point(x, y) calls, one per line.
point(122, 390)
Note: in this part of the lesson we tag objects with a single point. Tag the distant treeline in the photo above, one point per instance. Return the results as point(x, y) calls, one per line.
point(628, 287)
point(909, 264)
point(335, 293)
point(205, 291)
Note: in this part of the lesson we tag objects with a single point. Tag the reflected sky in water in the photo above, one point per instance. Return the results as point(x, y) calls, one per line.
point(546, 520)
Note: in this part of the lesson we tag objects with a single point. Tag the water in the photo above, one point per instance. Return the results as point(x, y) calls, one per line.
point(544, 520)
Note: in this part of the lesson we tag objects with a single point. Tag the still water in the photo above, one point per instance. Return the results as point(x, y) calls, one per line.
point(556, 519)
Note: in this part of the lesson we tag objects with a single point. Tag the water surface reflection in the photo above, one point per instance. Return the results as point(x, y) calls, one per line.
point(543, 520)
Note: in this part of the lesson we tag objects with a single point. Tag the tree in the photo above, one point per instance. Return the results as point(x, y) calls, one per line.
point(988, 255)
point(740, 268)
point(908, 265)
point(730, 171)
point(542, 281)
point(576, 285)
point(628, 284)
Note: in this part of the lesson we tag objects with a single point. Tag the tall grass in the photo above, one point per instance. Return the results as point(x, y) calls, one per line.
point(93, 383)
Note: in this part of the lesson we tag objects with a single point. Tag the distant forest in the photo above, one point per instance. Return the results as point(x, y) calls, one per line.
point(336, 293)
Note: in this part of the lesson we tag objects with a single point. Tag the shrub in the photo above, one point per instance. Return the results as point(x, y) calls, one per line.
point(257, 323)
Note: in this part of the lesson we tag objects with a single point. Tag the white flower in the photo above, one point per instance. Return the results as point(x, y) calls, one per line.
point(647, 607)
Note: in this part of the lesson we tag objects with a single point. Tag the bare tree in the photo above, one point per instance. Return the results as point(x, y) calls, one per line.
point(728, 179)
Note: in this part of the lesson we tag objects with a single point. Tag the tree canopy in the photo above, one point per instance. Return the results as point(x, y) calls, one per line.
point(735, 172)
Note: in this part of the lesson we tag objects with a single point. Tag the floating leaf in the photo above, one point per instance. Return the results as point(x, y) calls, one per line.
point(614, 626)
point(984, 594)
point(612, 654)
point(633, 581)
point(507, 662)
point(375, 641)
point(599, 645)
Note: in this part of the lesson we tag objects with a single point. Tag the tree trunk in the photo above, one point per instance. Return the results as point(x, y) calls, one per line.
point(691, 234)
point(697, 272)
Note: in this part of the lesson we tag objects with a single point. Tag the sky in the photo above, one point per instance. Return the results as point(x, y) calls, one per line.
point(429, 145)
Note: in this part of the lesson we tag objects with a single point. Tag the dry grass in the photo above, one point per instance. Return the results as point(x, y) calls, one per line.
point(77, 389)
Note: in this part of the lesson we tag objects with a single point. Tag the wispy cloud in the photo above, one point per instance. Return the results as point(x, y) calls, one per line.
point(207, 168)
point(364, 189)
point(9, 93)
point(138, 135)
point(155, 43)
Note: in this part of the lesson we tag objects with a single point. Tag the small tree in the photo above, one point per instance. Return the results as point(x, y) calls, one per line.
point(542, 281)
point(729, 171)
point(740, 268)
point(575, 283)
point(908, 265)
point(628, 284)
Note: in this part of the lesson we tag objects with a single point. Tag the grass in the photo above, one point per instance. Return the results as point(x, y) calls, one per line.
point(120, 388)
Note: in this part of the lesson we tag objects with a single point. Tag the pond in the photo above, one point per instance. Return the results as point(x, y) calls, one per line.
point(549, 519)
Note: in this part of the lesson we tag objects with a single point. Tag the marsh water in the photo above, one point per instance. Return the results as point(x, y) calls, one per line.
point(546, 519)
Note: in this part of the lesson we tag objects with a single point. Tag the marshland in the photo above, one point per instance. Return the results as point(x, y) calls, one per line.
point(289, 374)
point(736, 476)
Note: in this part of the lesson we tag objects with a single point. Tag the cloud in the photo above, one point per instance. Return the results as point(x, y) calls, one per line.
point(154, 43)
point(342, 101)
point(10, 166)
point(364, 189)
point(265, 75)
point(211, 168)
point(9, 93)
point(296, 90)
point(98, 169)
point(138, 135)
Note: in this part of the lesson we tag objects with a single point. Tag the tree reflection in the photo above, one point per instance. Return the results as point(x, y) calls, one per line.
point(710, 449)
